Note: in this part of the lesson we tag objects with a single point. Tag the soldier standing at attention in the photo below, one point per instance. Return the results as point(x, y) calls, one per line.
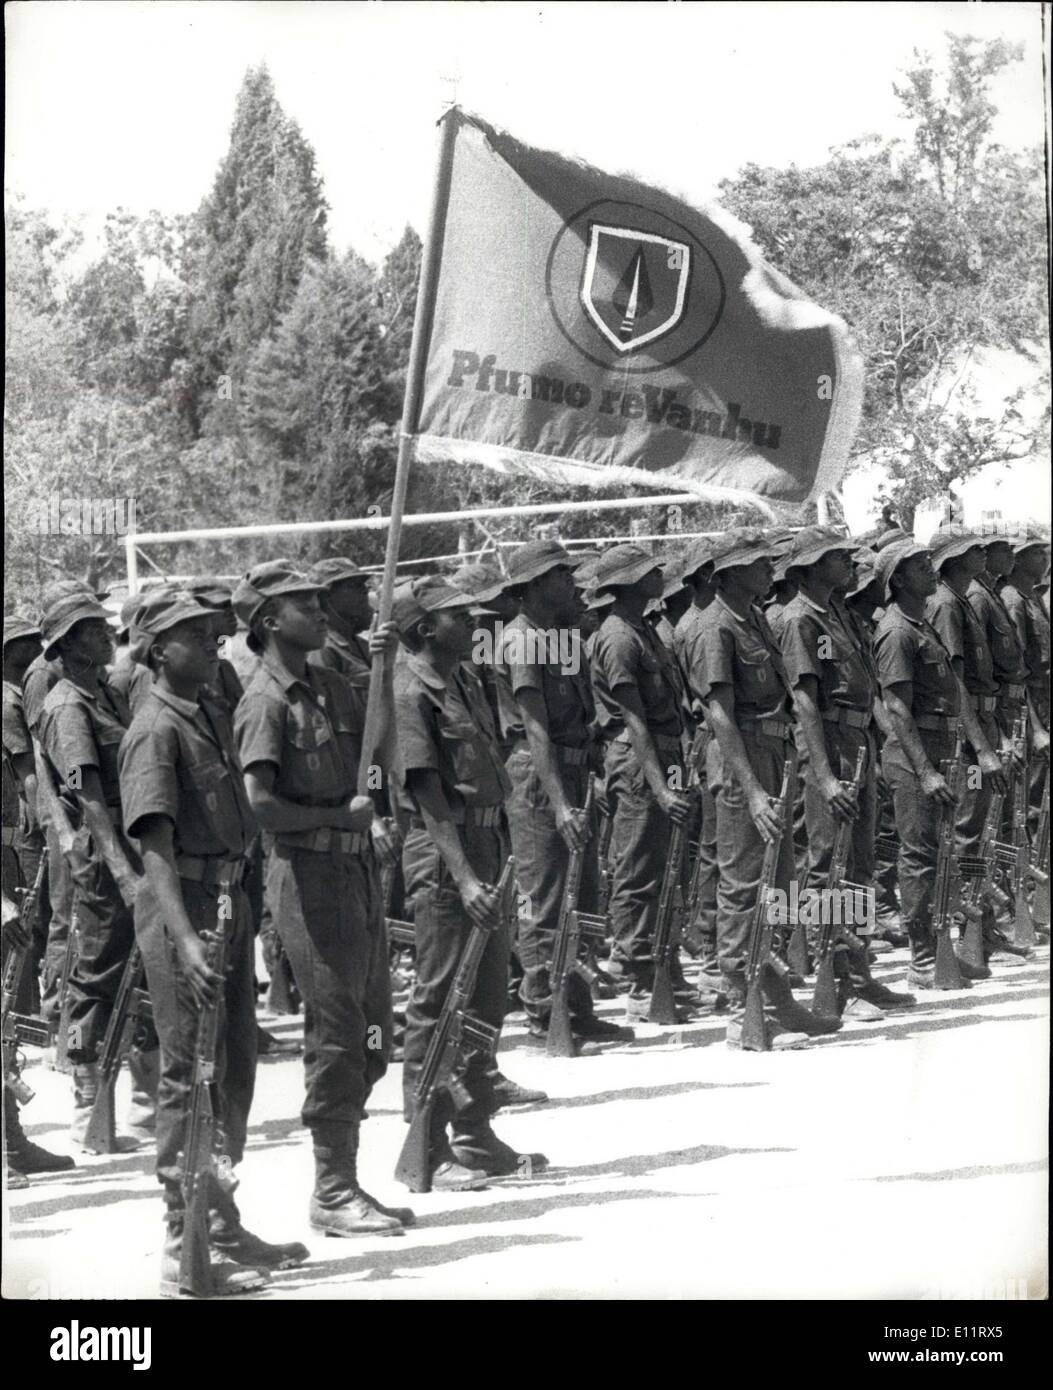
point(345, 603)
point(185, 804)
point(546, 714)
point(638, 701)
point(299, 731)
point(958, 558)
point(1030, 561)
point(923, 698)
point(739, 675)
point(81, 728)
point(834, 691)
point(453, 785)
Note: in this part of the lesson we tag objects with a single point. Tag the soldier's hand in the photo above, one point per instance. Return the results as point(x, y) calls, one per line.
point(993, 772)
point(599, 799)
point(203, 981)
point(128, 887)
point(765, 814)
point(675, 805)
point(360, 812)
point(841, 797)
point(481, 903)
point(387, 839)
point(1040, 743)
point(14, 936)
point(934, 787)
point(383, 638)
point(571, 824)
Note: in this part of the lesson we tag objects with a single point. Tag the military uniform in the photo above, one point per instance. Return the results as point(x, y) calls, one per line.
point(627, 653)
point(907, 649)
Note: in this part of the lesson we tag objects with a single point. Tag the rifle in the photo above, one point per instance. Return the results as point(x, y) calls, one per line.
point(980, 888)
point(754, 1032)
point(947, 972)
point(455, 1029)
point(824, 1000)
point(201, 1163)
point(606, 834)
point(1023, 925)
point(49, 802)
point(1040, 863)
point(565, 947)
point(671, 908)
point(131, 1006)
point(16, 1028)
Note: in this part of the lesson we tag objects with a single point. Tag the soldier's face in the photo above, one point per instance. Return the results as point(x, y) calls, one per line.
point(191, 652)
point(454, 629)
point(91, 642)
point(1033, 563)
point(974, 562)
point(224, 623)
point(19, 656)
point(652, 584)
point(756, 578)
point(557, 592)
point(349, 599)
point(299, 621)
point(999, 558)
point(917, 576)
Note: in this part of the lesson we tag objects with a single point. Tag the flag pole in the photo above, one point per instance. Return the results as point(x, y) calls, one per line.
point(418, 356)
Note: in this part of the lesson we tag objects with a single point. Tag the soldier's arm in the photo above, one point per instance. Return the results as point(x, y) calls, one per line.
point(674, 804)
point(720, 711)
point(102, 830)
point(155, 841)
point(899, 699)
point(480, 901)
point(806, 704)
point(989, 762)
point(26, 772)
point(546, 764)
point(276, 814)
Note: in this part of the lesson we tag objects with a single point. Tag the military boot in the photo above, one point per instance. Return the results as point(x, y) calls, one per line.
point(144, 1068)
point(227, 1235)
point(339, 1207)
point(861, 984)
point(23, 1158)
point(922, 972)
point(85, 1090)
point(225, 1277)
point(785, 1010)
point(477, 1148)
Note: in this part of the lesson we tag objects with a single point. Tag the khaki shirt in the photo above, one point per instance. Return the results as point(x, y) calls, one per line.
point(348, 657)
point(962, 633)
point(16, 743)
point(41, 676)
point(178, 760)
point(1032, 627)
point(447, 726)
point(82, 727)
point(816, 642)
point(742, 653)
point(1007, 655)
point(624, 653)
point(909, 650)
point(523, 663)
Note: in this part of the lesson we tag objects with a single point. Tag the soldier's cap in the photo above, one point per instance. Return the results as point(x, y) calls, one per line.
point(160, 609)
point(267, 581)
point(623, 564)
point(673, 574)
point(950, 541)
point(16, 628)
point(890, 559)
point(478, 580)
point(128, 610)
point(698, 555)
point(536, 558)
point(59, 588)
point(1029, 540)
point(740, 546)
point(811, 543)
point(597, 598)
point(65, 613)
point(331, 571)
point(865, 575)
point(210, 590)
point(891, 537)
point(413, 601)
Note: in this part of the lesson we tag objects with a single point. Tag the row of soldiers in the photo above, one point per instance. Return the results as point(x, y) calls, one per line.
point(687, 689)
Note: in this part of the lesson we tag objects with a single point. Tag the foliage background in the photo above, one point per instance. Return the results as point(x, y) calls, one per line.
point(231, 365)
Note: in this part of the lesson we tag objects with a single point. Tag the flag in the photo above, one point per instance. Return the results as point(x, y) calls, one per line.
point(587, 327)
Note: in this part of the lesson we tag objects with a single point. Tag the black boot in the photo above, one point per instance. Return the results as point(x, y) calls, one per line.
point(862, 983)
point(922, 972)
point(788, 1014)
point(22, 1157)
point(229, 1236)
point(339, 1207)
point(224, 1277)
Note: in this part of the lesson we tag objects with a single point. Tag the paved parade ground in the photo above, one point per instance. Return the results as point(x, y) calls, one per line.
point(901, 1159)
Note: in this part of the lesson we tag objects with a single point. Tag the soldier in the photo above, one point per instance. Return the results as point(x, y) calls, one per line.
point(958, 558)
point(345, 602)
point(127, 675)
point(834, 691)
point(81, 728)
point(299, 734)
point(740, 677)
point(1030, 560)
point(217, 595)
point(22, 1158)
point(185, 804)
point(453, 785)
point(546, 714)
point(638, 699)
point(923, 697)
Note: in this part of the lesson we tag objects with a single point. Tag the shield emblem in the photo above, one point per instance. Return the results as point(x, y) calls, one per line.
point(634, 286)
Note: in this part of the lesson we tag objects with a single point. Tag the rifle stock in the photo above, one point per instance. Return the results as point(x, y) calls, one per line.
point(1023, 925)
point(671, 908)
point(825, 999)
point(455, 1028)
point(754, 1031)
point(131, 1004)
point(947, 973)
point(18, 1028)
point(1040, 863)
point(560, 1041)
point(200, 1163)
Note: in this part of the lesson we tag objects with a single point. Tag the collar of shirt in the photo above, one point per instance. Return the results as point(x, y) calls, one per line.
point(425, 671)
point(281, 674)
point(812, 603)
point(189, 709)
point(750, 615)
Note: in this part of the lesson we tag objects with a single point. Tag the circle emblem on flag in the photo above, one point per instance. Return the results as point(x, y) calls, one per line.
point(630, 288)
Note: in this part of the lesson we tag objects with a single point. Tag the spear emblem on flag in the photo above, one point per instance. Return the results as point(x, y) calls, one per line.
point(633, 298)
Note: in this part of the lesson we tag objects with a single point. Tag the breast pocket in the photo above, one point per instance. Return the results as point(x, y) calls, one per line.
point(459, 739)
point(310, 735)
point(757, 676)
point(208, 779)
